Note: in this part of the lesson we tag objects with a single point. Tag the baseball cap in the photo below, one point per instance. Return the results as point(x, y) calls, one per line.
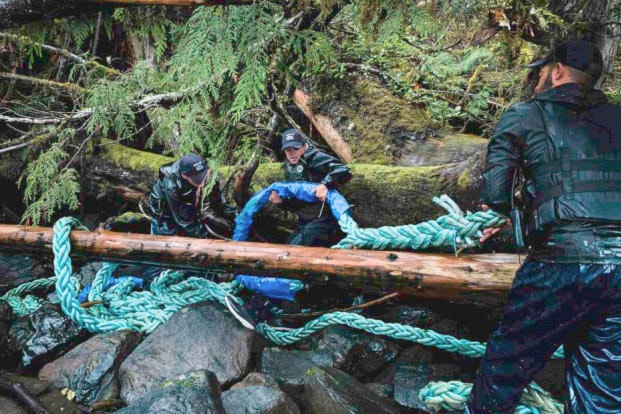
point(194, 167)
point(579, 54)
point(292, 138)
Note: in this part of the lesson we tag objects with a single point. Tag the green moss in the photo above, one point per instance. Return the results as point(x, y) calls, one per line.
point(125, 157)
point(370, 117)
point(464, 181)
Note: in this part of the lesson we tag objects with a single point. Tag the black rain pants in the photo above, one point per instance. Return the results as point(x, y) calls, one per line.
point(551, 304)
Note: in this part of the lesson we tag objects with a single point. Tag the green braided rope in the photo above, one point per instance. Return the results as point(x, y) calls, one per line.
point(454, 229)
point(453, 395)
point(122, 308)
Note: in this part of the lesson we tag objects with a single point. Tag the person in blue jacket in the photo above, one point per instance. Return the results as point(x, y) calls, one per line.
point(567, 144)
point(303, 162)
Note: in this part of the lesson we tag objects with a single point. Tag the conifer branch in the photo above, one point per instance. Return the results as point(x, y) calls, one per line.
point(61, 52)
point(66, 86)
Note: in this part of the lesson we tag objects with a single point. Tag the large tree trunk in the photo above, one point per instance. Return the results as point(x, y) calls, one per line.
point(381, 195)
point(601, 23)
point(16, 12)
point(478, 279)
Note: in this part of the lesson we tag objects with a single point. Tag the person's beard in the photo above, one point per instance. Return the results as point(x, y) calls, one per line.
point(547, 84)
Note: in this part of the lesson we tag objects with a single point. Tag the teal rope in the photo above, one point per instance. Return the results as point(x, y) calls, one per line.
point(454, 230)
point(121, 308)
point(453, 395)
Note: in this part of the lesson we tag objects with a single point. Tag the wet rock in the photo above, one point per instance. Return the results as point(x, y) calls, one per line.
point(47, 395)
point(357, 353)
point(54, 334)
point(200, 337)
point(91, 369)
point(412, 355)
point(9, 355)
point(14, 270)
point(258, 399)
point(289, 367)
point(192, 393)
point(383, 390)
point(328, 390)
point(256, 378)
point(410, 379)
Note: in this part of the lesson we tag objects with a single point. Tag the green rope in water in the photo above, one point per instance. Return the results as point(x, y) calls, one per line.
point(454, 229)
point(453, 395)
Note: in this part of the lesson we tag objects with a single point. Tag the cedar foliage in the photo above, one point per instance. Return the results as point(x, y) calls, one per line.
point(225, 70)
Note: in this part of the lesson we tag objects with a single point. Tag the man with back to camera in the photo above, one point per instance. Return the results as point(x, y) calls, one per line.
point(566, 142)
point(303, 162)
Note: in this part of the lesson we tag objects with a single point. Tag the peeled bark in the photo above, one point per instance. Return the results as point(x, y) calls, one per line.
point(323, 124)
point(478, 279)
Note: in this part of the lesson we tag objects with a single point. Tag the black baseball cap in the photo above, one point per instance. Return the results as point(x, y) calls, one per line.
point(292, 138)
point(579, 54)
point(194, 167)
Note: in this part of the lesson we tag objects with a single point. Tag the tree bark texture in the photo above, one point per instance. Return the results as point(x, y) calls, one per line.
point(381, 195)
point(476, 279)
point(17, 12)
point(323, 124)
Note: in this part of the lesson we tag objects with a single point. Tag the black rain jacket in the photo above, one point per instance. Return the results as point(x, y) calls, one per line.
point(567, 144)
point(317, 167)
point(172, 196)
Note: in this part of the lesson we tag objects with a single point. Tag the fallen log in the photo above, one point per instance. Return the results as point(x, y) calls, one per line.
point(476, 279)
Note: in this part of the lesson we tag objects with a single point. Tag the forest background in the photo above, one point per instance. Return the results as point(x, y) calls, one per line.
point(90, 103)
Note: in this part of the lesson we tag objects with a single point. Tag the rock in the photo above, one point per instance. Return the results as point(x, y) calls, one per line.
point(48, 396)
point(383, 390)
point(357, 353)
point(410, 379)
point(258, 399)
point(328, 390)
point(91, 369)
point(192, 393)
point(54, 335)
point(9, 357)
point(412, 355)
point(552, 378)
point(289, 367)
point(256, 378)
point(200, 337)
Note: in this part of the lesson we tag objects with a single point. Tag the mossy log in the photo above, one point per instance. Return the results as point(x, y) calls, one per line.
point(381, 195)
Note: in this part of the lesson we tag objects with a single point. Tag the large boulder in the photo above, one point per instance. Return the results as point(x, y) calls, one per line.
point(91, 369)
point(328, 390)
point(46, 395)
point(192, 393)
point(201, 337)
point(258, 399)
point(289, 367)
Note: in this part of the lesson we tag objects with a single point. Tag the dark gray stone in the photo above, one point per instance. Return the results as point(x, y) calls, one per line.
point(192, 393)
point(91, 369)
point(289, 367)
point(328, 390)
point(256, 378)
point(54, 334)
point(258, 399)
point(201, 337)
point(383, 390)
point(410, 379)
point(48, 396)
point(412, 355)
point(355, 352)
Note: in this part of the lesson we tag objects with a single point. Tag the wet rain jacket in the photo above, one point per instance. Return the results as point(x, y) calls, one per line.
point(567, 143)
point(172, 205)
point(316, 226)
point(568, 291)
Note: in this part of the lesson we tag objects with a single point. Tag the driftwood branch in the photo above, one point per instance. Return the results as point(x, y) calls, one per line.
point(323, 124)
point(478, 279)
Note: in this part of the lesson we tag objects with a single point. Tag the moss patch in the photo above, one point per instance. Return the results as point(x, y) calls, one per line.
point(369, 117)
